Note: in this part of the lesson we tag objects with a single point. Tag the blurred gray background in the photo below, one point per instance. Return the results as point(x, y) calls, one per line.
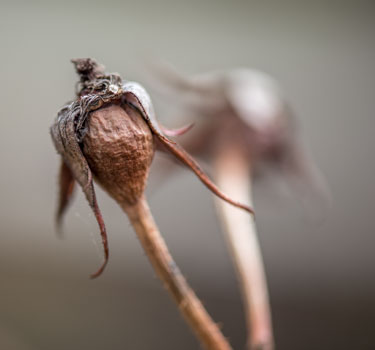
point(321, 274)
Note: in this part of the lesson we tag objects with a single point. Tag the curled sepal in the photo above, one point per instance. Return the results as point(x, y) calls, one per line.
point(190, 162)
point(136, 96)
point(65, 139)
point(66, 189)
point(176, 132)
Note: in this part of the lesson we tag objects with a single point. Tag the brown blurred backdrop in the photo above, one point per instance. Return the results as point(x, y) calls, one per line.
point(321, 274)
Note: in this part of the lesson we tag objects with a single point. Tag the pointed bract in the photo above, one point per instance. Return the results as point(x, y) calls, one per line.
point(66, 184)
point(176, 132)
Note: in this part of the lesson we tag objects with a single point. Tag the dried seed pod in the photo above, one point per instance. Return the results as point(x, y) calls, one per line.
point(108, 133)
point(119, 148)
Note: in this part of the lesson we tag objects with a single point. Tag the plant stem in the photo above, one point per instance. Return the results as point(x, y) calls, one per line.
point(233, 176)
point(190, 306)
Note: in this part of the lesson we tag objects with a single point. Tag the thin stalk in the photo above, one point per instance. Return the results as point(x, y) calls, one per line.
point(233, 176)
point(190, 306)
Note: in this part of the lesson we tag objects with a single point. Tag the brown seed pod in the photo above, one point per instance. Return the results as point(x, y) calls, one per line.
point(108, 133)
point(119, 148)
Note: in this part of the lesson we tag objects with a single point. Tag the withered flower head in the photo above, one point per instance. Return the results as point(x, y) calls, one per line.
point(109, 132)
point(247, 109)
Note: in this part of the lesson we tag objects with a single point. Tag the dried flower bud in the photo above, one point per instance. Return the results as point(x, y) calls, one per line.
point(108, 133)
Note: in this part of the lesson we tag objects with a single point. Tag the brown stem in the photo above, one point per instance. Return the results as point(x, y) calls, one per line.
point(233, 175)
point(190, 306)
